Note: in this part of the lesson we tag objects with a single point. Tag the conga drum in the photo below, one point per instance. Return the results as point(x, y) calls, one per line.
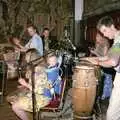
point(84, 89)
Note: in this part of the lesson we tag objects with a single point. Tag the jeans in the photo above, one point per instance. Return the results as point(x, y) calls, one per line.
point(107, 85)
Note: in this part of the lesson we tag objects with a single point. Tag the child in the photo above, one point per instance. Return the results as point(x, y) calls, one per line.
point(53, 74)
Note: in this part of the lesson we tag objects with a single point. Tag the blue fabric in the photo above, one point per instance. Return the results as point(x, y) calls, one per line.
point(37, 44)
point(53, 78)
point(107, 87)
point(47, 92)
point(52, 74)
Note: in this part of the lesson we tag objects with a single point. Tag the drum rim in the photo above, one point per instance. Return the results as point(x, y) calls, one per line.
point(84, 67)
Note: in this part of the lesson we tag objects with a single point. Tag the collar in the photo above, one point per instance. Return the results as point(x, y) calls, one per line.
point(117, 37)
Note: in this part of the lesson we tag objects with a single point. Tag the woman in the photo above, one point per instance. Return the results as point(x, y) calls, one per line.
point(101, 50)
point(22, 101)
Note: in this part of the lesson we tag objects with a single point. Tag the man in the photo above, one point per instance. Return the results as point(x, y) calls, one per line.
point(45, 39)
point(107, 28)
point(34, 42)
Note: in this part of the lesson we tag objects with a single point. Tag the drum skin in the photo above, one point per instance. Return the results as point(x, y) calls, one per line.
point(84, 90)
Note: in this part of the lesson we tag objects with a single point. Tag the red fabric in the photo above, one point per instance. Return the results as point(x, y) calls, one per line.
point(54, 102)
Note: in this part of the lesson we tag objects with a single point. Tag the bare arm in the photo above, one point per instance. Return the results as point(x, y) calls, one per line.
point(95, 53)
point(108, 63)
point(104, 61)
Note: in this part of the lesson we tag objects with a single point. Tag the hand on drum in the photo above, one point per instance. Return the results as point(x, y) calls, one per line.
point(93, 60)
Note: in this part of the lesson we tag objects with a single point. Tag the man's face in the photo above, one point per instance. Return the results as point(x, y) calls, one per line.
point(46, 33)
point(107, 31)
point(31, 31)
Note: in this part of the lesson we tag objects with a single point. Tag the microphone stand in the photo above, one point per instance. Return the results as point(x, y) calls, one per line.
point(33, 92)
point(33, 87)
point(38, 60)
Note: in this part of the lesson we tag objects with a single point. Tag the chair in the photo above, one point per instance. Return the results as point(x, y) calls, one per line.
point(56, 104)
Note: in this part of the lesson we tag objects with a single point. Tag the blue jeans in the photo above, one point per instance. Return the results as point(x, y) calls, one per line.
point(107, 85)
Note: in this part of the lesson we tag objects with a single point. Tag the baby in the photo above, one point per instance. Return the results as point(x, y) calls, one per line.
point(53, 74)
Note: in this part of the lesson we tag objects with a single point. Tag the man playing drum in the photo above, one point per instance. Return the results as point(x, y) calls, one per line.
point(107, 28)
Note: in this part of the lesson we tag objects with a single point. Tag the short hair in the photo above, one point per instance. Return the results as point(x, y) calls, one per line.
point(33, 27)
point(106, 21)
point(44, 29)
point(50, 53)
